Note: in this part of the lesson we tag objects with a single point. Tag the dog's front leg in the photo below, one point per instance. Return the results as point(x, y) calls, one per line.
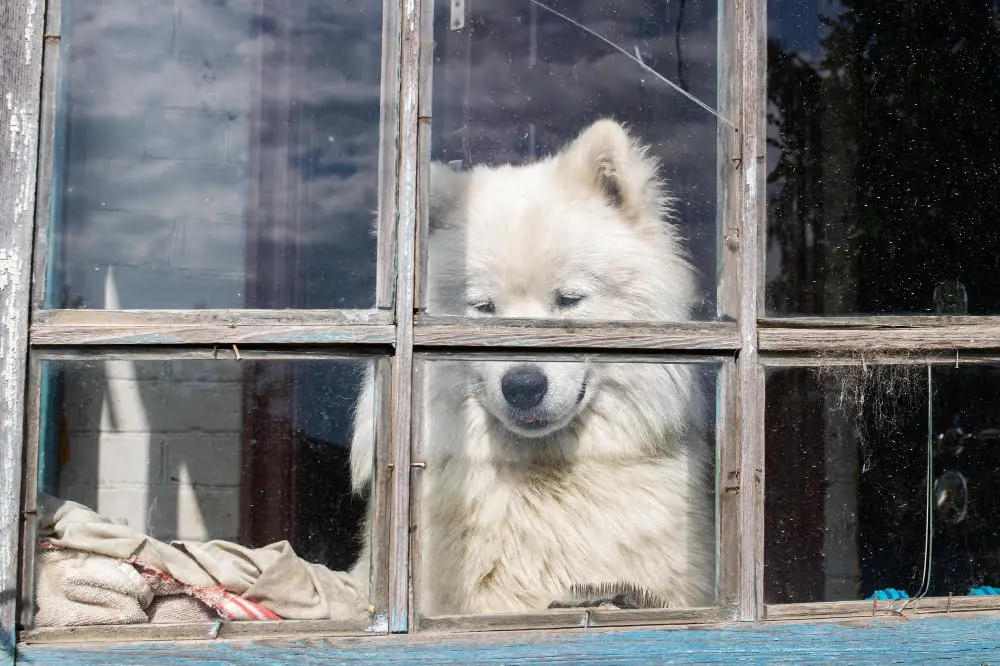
point(620, 594)
point(362, 463)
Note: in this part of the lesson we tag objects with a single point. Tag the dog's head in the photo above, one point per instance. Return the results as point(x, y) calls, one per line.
point(583, 235)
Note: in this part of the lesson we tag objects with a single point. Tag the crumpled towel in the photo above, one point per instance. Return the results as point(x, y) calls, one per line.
point(90, 570)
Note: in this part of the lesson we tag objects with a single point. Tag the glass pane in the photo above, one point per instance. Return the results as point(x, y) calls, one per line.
point(882, 157)
point(566, 484)
point(216, 154)
point(591, 234)
point(846, 487)
point(177, 491)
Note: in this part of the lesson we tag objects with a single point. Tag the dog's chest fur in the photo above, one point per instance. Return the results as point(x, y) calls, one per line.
point(503, 538)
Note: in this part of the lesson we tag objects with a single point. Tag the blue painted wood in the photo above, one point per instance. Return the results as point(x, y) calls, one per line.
point(974, 640)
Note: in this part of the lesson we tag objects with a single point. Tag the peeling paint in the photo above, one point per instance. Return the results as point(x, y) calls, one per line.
point(29, 31)
point(21, 94)
point(9, 269)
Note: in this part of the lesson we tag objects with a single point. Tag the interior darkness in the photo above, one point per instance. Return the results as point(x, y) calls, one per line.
point(883, 157)
point(845, 489)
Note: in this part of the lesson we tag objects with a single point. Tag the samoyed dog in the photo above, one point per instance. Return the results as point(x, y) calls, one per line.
point(549, 483)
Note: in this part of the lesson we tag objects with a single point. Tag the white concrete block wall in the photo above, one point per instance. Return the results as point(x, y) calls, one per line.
point(156, 445)
point(159, 100)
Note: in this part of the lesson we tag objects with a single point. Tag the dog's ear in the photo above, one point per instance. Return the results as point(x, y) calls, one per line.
point(605, 157)
point(447, 191)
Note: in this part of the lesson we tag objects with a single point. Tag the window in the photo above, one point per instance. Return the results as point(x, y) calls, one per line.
point(366, 318)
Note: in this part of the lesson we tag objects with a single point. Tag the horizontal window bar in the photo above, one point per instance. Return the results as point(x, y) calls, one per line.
point(212, 317)
point(474, 332)
point(572, 618)
point(878, 321)
point(865, 340)
point(817, 359)
point(211, 334)
point(190, 631)
point(881, 608)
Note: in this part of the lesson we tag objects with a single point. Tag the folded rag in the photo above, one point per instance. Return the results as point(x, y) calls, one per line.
point(90, 570)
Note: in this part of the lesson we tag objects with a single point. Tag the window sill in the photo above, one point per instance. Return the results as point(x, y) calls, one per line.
point(929, 638)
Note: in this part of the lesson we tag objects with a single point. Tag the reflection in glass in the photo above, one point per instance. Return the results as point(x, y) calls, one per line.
point(847, 468)
point(216, 154)
point(218, 473)
point(565, 484)
point(882, 157)
point(516, 81)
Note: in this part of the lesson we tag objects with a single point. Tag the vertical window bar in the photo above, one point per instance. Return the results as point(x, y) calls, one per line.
point(49, 159)
point(388, 156)
point(402, 368)
point(21, 34)
point(751, 377)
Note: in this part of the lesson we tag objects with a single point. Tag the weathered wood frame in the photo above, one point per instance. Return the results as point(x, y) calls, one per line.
point(391, 329)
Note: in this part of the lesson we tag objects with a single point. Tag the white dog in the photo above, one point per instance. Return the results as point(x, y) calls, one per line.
point(549, 483)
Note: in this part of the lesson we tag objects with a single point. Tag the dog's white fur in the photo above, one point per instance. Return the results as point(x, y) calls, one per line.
point(609, 478)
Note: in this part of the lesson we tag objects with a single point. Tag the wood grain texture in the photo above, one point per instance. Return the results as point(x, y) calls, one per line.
point(51, 55)
point(29, 503)
point(222, 317)
point(727, 488)
point(937, 640)
point(924, 338)
point(879, 321)
point(750, 414)
point(388, 158)
point(556, 619)
point(417, 466)
point(820, 359)
point(432, 332)
point(381, 494)
point(223, 354)
point(402, 367)
point(209, 334)
point(21, 29)
point(135, 633)
point(425, 103)
point(898, 607)
point(728, 151)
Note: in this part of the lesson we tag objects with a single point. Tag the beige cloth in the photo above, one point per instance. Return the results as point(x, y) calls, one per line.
point(93, 573)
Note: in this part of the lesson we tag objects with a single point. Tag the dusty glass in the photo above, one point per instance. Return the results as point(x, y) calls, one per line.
point(850, 454)
point(882, 155)
point(194, 490)
point(580, 221)
point(215, 154)
point(562, 483)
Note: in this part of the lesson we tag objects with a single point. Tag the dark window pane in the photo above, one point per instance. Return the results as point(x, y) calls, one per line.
point(241, 461)
point(216, 154)
point(846, 490)
point(883, 157)
point(515, 82)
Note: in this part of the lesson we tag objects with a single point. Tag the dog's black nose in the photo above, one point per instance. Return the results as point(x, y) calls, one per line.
point(524, 386)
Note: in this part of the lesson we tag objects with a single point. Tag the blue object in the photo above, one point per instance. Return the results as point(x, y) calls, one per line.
point(890, 593)
point(983, 591)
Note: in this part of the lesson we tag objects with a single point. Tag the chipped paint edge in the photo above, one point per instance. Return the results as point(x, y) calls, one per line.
point(20, 77)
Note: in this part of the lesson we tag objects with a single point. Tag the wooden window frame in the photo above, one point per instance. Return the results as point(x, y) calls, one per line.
point(29, 41)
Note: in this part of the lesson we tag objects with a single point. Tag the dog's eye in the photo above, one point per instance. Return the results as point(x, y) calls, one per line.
point(567, 301)
point(484, 307)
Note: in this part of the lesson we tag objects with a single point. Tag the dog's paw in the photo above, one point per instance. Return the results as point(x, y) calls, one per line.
point(619, 595)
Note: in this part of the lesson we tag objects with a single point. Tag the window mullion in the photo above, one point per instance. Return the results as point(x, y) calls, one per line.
point(750, 377)
point(402, 367)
